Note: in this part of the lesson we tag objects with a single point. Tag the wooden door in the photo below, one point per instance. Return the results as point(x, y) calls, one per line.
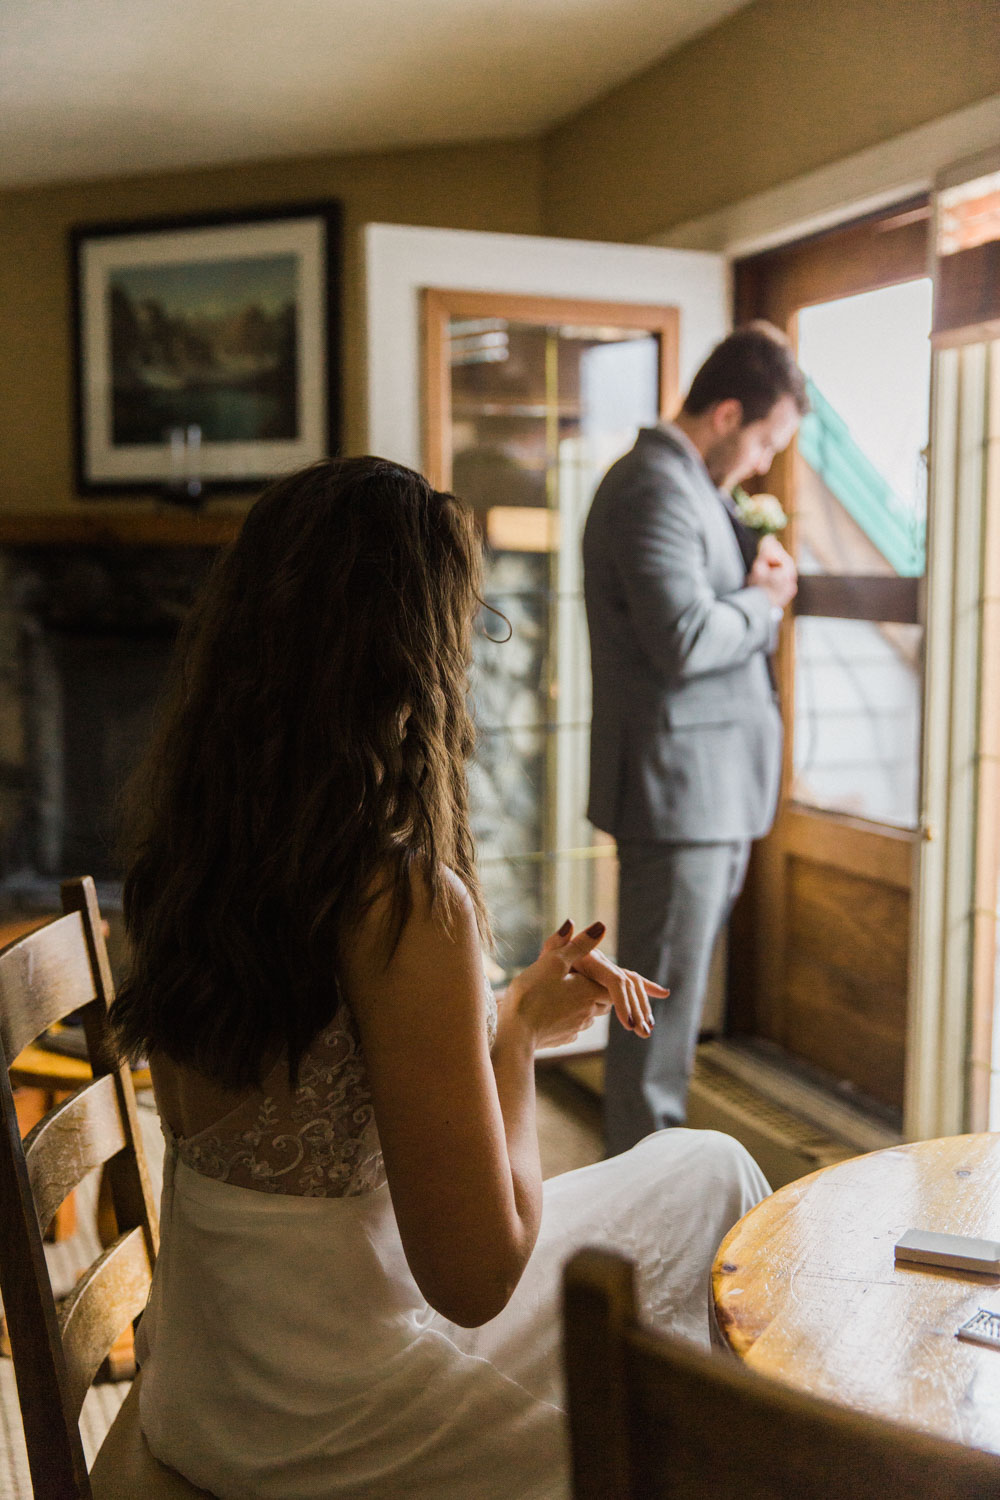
point(820, 942)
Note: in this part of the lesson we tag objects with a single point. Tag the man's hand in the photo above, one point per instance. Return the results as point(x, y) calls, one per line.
point(774, 572)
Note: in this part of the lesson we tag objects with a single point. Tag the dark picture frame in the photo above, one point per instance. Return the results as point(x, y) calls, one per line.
point(205, 348)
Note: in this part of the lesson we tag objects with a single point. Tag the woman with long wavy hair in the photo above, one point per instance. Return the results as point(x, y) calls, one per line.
point(357, 1289)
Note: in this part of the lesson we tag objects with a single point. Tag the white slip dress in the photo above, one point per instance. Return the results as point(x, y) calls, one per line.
point(288, 1354)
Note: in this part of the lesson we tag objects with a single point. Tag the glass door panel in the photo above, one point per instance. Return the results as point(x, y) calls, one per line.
point(536, 408)
point(861, 500)
point(859, 541)
point(857, 718)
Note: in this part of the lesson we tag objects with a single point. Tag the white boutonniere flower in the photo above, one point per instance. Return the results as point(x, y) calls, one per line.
point(762, 513)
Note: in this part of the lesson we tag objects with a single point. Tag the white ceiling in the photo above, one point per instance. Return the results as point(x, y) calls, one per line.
point(95, 88)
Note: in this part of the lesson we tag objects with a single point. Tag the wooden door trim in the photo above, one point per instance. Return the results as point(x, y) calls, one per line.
point(436, 403)
point(438, 304)
point(878, 251)
point(844, 843)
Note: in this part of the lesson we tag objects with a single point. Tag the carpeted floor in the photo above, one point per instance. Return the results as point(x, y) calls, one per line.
point(569, 1137)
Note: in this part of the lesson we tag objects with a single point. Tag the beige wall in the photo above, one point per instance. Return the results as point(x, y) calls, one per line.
point(774, 91)
point(469, 187)
point(777, 90)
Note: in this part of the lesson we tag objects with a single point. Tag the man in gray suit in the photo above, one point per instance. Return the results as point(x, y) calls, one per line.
point(685, 750)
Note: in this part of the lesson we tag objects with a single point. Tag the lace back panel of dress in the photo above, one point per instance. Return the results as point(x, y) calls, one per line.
point(318, 1140)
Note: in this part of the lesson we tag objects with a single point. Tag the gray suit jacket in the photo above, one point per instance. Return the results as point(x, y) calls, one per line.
point(685, 741)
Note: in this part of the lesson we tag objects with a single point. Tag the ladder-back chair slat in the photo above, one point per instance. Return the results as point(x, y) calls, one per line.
point(82, 1133)
point(43, 977)
point(112, 1293)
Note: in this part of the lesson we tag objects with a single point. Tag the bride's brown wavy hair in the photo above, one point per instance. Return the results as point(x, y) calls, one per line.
point(311, 750)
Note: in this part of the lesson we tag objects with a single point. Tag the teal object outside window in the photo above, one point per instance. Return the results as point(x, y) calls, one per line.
point(826, 444)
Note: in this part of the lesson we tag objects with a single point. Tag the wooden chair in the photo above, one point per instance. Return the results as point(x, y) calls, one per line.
point(45, 975)
point(652, 1418)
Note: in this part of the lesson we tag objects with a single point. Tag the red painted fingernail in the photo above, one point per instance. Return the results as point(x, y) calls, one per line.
point(564, 929)
point(595, 930)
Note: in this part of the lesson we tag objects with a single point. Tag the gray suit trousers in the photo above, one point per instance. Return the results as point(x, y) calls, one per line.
point(673, 900)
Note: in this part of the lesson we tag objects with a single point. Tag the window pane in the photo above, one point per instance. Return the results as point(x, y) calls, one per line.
point(509, 676)
point(860, 510)
point(857, 718)
point(507, 783)
point(861, 479)
point(571, 701)
point(515, 898)
point(519, 891)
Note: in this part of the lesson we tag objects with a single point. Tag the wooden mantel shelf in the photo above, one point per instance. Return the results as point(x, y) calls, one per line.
point(109, 526)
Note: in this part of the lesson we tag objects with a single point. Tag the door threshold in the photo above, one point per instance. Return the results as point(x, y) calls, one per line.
point(860, 1124)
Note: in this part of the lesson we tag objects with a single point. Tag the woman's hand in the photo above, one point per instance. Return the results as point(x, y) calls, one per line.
point(628, 991)
point(571, 983)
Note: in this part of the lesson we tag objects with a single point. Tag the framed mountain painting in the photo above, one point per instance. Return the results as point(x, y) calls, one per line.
point(206, 349)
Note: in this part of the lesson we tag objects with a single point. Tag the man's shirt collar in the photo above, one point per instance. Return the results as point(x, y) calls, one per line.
point(680, 437)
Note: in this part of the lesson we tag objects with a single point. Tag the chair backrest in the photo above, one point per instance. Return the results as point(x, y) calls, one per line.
point(652, 1418)
point(60, 968)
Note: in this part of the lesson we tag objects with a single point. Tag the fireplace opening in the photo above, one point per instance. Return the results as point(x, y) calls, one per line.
point(86, 635)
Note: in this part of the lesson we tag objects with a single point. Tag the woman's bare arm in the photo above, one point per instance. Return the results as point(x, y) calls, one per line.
point(457, 1127)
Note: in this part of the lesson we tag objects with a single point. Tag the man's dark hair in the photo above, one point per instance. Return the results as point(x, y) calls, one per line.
point(754, 366)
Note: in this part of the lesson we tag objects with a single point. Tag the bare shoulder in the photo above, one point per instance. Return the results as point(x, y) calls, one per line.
point(436, 951)
point(453, 906)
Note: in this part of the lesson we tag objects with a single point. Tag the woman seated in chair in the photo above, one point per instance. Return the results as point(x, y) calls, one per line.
point(357, 1291)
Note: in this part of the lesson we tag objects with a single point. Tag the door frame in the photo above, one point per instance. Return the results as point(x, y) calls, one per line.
point(878, 250)
point(439, 304)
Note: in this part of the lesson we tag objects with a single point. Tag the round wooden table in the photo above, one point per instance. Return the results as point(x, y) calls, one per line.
point(807, 1290)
